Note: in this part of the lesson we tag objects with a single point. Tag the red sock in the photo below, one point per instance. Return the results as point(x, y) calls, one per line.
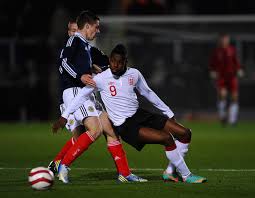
point(78, 148)
point(170, 148)
point(64, 149)
point(119, 157)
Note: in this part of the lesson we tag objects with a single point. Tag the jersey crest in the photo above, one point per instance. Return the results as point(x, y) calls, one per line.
point(91, 109)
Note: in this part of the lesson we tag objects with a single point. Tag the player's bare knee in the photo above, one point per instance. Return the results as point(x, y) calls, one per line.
point(94, 126)
point(234, 97)
point(96, 132)
point(76, 136)
point(77, 132)
point(188, 135)
point(223, 94)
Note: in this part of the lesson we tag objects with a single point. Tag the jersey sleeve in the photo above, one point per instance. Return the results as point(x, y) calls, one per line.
point(75, 59)
point(98, 79)
point(151, 96)
point(78, 101)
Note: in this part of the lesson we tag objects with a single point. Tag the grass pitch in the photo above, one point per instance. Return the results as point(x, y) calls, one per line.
point(224, 155)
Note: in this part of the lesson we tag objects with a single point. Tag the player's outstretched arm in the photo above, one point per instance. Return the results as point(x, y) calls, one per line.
point(151, 96)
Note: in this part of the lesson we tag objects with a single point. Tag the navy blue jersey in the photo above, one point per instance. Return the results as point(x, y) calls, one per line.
point(99, 58)
point(75, 60)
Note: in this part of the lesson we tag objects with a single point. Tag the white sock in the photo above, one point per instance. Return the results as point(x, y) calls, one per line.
point(177, 160)
point(170, 168)
point(222, 108)
point(233, 112)
point(183, 149)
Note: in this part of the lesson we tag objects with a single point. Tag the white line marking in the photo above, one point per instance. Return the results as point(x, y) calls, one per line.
point(145, 169)
point(226, 170)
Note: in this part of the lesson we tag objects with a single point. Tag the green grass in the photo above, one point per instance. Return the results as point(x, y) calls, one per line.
point(213, 147)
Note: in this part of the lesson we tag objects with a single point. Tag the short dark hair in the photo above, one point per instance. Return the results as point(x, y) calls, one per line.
point(120, 49)
point(72, 20)
point(86, 17)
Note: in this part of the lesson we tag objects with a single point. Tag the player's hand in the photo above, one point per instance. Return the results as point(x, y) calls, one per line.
point(213, 75)
point(88, 80)
point(96, 69)
point(60, 123)
point(240, 73)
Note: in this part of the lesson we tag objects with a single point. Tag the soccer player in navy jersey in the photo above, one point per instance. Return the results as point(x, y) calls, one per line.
point(75, 66)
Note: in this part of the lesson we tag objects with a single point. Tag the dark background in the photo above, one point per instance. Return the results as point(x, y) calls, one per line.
point(172, 55)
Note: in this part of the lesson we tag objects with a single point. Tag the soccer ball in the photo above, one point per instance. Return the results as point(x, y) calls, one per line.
point(41, 178)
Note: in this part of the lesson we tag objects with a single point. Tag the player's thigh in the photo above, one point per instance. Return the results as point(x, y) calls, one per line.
point(222, 93)
point(154, 136)
point(93, 125)
point(107, 127)
point(234, 96)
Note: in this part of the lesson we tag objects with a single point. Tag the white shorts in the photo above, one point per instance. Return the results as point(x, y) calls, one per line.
point(71, 122)
point(90, 108)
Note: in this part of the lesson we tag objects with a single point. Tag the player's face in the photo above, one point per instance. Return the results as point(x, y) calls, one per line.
point(225, 40)
point(72, 28)
point(92, 30)
point(117, 63)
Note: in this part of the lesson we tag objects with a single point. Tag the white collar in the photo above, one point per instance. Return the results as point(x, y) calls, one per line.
point(81, 37)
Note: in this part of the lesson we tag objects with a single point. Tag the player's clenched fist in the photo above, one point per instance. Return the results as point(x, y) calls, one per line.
point(60, 123)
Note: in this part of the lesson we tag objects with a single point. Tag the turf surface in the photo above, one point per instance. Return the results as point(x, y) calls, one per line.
point(224, 155)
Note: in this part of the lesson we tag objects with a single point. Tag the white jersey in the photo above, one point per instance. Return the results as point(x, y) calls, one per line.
point(118, 95)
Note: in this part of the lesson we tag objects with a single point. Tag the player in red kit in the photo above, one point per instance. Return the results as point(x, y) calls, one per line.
point(224, 69)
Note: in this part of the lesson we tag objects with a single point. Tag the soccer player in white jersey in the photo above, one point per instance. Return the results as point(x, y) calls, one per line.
point(136, 126)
